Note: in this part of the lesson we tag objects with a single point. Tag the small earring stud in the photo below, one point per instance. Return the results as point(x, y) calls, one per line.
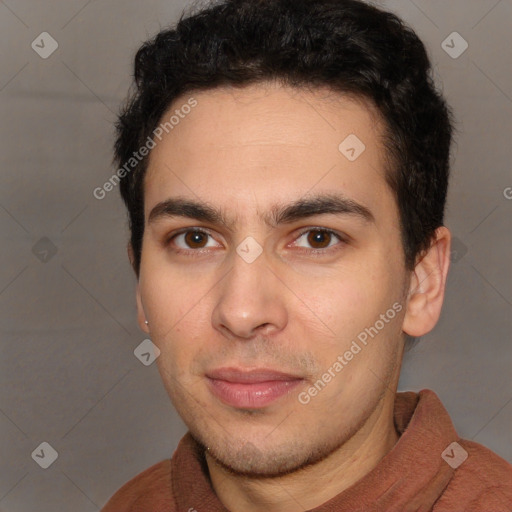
point(146, 322)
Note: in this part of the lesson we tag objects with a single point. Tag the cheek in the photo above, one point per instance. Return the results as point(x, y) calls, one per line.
point(168, 295)
point(336, 314)
point(341, 305)
point(179, 313)
point(345, 308)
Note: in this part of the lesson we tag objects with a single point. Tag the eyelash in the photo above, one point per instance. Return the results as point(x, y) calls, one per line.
point(314, 252)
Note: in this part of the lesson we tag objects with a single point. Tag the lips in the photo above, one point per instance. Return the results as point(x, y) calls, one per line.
point(250, 389)
point(249, 376)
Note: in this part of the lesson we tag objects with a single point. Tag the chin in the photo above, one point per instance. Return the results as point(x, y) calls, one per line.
point(250, 461)
point(247, 459)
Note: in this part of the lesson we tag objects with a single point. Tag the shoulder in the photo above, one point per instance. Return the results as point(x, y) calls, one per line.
point(149, 490)
point(483, 481)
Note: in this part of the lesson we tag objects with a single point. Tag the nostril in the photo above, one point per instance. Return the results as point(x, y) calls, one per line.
point(264, 327)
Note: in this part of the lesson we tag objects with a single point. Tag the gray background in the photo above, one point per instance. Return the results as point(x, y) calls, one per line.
point(68, 375)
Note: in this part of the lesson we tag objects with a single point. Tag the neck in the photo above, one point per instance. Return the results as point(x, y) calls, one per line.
point(299, 490)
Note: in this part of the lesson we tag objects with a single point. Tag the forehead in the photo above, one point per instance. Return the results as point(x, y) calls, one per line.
point(267, 143)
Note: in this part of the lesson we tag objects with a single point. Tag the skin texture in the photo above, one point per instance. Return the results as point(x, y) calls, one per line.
point(294, 308)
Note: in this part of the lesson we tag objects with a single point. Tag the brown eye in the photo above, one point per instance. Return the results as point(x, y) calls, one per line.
point(319, 239)
point(191, 241)
point(195, 239)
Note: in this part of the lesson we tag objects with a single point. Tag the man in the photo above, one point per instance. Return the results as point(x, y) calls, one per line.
point(285, 168)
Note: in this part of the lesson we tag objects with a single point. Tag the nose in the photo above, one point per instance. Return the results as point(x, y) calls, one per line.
point(250, 301)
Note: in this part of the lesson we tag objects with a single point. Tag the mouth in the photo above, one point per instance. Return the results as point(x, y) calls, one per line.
point(250, 389)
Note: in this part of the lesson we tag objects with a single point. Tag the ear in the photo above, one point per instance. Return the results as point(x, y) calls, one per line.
point(427, 286)
point(141, 316)
point(131, 255)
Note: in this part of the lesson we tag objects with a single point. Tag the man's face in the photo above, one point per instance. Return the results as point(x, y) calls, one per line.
point(297, 307)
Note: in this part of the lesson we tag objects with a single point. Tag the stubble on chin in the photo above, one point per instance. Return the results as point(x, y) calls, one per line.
point(266, 460)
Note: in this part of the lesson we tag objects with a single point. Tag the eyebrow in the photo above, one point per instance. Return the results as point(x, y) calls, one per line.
point(334, 204)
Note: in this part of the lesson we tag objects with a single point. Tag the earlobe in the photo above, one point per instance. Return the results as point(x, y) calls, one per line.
point(427, 287)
